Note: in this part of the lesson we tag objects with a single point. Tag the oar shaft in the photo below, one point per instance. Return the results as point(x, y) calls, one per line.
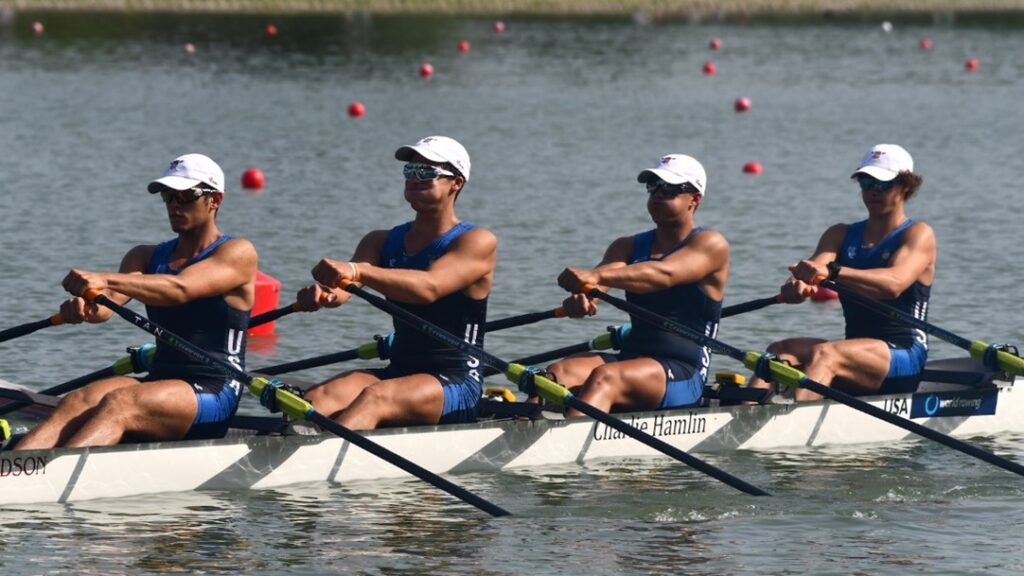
point(272, 315)
point(299, 407)
point(318, 361)
point(750, 306)
point(30, 327)
point(524, 319)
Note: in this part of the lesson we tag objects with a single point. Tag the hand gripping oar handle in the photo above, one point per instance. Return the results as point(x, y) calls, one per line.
point(30, 327)
point(766, 366)
point(283, 311)
point(980, 350)
point(548, 388)
point(295, 406)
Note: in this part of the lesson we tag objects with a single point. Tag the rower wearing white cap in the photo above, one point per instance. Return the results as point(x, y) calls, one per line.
point(889, 257)
point(200, 286)
point(677, 270)
point(439, 268)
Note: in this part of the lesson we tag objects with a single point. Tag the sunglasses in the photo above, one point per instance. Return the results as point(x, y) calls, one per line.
point(867, 183)
point(671, 189)
point(182, 197)
point(425, 172)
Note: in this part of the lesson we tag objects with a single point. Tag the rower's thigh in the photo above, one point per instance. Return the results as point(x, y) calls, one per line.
point(336, 394)
point(636, 384)
point(91, 395)
point(859, 365)
point(574, 370)
point(796, 351)
point(161, 409)
point(412, 399)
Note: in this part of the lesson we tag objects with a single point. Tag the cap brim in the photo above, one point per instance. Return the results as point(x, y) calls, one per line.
point(876, 173)
point(173, 182)
point(666, 175)
point(405, 154)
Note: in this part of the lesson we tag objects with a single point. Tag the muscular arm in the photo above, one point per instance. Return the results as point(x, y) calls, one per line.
point(913, 260)
point(706, 254)
point(227, 271)
point(468, 265)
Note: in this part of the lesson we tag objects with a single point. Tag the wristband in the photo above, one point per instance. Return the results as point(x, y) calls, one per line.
point(355, 271)
point(833, 270)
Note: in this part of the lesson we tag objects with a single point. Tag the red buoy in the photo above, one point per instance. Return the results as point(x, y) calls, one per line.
point(271, 30)
point(268, 294)
point(356, 110)
point(822, 294)
point(742, 104)
point(715, 44)
point(971, 65)
point(189, 48)
point(926, 43)
point(37, 28)
point(709, 68)
point(498, 27)
point(252, 179)
point(426, 70)
point(464, 46)
point(753, 167)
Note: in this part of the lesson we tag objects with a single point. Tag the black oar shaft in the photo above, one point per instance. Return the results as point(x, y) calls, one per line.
point(497, 363)
point(524, 319)
point(29, 327)
point(793, 376)
point(271, 315)
point(750, 306)
point(310, 414)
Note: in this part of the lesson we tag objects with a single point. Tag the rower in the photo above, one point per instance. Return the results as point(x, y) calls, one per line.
point(677, 270)
point(436, 266)
point(200, 285)
point(888, 257)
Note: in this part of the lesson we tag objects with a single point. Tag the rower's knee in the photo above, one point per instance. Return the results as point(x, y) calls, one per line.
point(824, 357)
point(604, 379)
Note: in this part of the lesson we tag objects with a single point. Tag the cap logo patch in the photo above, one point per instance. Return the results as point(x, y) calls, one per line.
point(876, 154)
point(175, 164)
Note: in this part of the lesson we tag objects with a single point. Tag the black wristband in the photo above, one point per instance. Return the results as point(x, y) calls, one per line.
point(833, 270)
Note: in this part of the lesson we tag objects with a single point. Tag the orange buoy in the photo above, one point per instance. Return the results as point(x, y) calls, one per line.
point(742, 104)
point(971, 65)
point(356, 110)
point(252, 179)
point(426, 70)
point(709, 68)
point(463, 46)
point(753, 168)
point(823, 294)
point(268, 294)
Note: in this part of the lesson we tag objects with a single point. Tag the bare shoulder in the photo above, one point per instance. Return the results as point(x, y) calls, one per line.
point(620, 250)
point(478, 239)
point(137, 259)
point(710, 240)
point(921, 229)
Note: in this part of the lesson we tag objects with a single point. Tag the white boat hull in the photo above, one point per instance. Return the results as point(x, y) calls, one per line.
point(257, 462)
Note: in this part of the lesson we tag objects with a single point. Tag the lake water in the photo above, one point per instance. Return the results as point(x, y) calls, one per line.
point(559, 116)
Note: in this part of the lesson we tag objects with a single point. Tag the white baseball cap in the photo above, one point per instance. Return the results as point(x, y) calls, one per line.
point(438, 149)
point(187, 171)
point(677, 169)
point(884, 162)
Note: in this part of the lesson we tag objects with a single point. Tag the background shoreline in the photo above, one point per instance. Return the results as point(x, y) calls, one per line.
point(693, 9)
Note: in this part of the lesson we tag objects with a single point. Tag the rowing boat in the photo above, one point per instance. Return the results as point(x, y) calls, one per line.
point(960, 399)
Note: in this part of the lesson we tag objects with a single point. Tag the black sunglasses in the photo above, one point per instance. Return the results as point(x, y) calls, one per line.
point(671, 189)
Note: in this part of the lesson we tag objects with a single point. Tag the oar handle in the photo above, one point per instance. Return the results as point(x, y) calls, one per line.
point(30, 327)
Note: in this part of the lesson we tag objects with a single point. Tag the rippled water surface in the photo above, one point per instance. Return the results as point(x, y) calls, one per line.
point(558, 116)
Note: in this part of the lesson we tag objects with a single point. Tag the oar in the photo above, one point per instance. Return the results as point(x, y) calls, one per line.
point(548, 389)
point(137, 360)
point(380, 347)
point(295, 406)
point(750, 306)
point(789, 376)
point(982, 351)
point(273, 315)
point(30, 327)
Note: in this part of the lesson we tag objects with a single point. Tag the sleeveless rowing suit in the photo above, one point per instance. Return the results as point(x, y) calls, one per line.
point(212, 325)
point(412, 352)
point(908, 347)
point(686, 363)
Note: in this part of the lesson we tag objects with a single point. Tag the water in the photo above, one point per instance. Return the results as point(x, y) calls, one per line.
point(559, 116)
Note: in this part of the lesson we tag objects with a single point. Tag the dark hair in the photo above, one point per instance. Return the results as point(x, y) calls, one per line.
point(910, 182)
